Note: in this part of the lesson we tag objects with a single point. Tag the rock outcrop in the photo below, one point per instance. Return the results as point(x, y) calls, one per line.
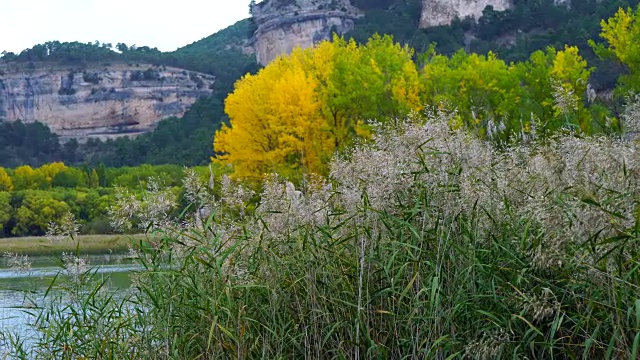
point(99, 102)
point(283, 25)
point(442, 12)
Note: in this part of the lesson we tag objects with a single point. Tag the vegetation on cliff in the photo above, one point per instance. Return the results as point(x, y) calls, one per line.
point(513, 34)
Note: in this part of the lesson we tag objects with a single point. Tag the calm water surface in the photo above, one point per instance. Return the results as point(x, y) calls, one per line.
point(19, 290)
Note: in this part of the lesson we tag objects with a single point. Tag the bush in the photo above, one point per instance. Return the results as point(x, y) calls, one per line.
point(92, 78)
point(97, 227)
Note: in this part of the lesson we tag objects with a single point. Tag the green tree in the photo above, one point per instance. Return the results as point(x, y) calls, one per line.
point(5, 210)
point(70, 178)
point(25, 178)
point(508, 101)
point(484, 89)
point(94, 179)
point(357, 83)
point(49, 171)
point(36, 210)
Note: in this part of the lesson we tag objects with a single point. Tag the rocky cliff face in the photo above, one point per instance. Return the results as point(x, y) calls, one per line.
point(442, 12)
point(99, 102)
point(283, 25)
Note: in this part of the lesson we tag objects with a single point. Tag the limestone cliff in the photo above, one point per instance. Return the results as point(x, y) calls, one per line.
point(283, 25)
point(100, 102)
point(442, 12)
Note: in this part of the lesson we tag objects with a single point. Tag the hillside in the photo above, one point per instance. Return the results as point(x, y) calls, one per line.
point(184, 138)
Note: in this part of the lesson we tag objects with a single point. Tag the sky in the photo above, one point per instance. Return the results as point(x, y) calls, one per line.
point(166, 25)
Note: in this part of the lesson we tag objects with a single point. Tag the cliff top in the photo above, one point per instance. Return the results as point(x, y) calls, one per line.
point(12, 69)
point(270, 11)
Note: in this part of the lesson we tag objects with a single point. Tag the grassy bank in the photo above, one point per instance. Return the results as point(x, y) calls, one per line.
point(88, 244)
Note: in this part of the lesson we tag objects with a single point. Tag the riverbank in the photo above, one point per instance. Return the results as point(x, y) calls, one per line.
point(86, 244)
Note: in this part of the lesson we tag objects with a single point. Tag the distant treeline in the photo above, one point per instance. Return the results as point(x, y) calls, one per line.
point(32, 198)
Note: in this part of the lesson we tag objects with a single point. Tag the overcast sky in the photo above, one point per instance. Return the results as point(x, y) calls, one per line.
point(166, 25)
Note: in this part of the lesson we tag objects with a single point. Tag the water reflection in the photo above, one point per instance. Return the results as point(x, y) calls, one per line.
point(52, 271)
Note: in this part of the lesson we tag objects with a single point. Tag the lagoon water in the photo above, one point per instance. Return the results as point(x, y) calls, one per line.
point(21, 291)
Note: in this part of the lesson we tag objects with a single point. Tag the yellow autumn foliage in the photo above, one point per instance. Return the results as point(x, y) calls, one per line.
point(621, 33)
point(6, 184)
point(276, 124)
point(293, 115)
point(49, 171)
point(26, 178)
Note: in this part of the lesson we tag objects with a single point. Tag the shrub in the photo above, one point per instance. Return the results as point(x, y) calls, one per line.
point(91, 77)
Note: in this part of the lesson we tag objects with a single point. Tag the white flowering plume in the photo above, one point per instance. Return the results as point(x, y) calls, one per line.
point(570, 188)
point(631, 118)
point(74, 266)
point(283, 209)
point(67, 227)
point(147, 212)
point(564, 97)
point(235, 196)
point(18, 262)
point(194, 190)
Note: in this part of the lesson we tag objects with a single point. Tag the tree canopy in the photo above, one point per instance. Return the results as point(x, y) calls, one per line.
point(622, 35)
point(294, 114)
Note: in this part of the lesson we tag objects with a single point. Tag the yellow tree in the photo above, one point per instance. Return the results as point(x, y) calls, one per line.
point(275, 124)
point(49, 171)
point(36, 211)
point(25, 177)
point(5, 180)
point(622, 33)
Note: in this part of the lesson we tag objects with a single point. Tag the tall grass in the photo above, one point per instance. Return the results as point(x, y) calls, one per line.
point(425, 243)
